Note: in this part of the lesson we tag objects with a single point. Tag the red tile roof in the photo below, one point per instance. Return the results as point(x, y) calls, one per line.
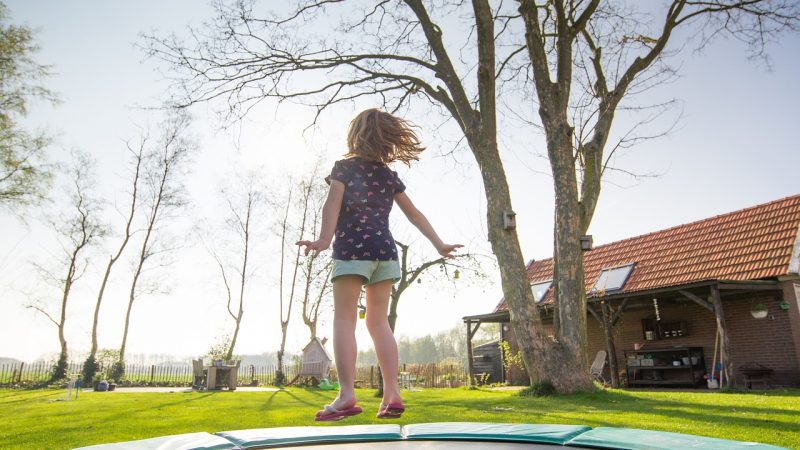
point(750, 244)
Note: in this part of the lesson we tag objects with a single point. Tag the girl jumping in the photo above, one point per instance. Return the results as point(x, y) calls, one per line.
point(362, 191)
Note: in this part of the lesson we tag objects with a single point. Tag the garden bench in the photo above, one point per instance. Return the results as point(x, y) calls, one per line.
point(756, 373)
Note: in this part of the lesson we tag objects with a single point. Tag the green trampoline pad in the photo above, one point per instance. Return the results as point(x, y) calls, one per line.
point(442, 436)
point(277, 437)
point(550, 434)
point(189, 441)
point(636, 439)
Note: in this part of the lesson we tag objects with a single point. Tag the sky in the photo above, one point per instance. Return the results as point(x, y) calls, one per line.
point(734, 147)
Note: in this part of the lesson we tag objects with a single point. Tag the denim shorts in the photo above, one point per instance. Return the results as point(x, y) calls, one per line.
point(371, 271)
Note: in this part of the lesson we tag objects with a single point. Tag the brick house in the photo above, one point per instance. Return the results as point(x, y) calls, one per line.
point(668, 305)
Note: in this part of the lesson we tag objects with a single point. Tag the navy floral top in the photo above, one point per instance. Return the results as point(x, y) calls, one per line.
point(362, 230)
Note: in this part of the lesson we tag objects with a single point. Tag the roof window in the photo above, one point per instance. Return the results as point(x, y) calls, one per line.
point(540, 290)
point(612, 278)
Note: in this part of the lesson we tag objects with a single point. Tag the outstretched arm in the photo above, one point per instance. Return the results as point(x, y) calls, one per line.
point(330, 214)
point(419, 220)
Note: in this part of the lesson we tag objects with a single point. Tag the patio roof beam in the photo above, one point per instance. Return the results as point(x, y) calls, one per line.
point(496, 317)
point(697, 300)
point(620, 310)
point(724, 345)
point(470, 334)
point(595, 314)
point(752, 286)
point(649, 292)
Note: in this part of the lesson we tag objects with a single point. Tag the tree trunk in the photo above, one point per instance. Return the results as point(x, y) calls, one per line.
point(229, 353)
point(571, 367)
point(60, 368)
point(61, 373)
point(131, 298)
point(536, 347)
point(608, 329)
point(243, 283)
point(95, 318)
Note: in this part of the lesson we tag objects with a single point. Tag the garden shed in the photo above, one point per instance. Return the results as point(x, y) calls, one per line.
point(487, 365)
point(668, 305)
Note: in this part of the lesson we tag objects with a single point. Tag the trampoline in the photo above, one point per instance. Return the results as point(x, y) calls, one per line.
point(447, 435)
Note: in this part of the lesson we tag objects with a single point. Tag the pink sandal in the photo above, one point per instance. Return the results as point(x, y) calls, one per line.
point(329, 413)
point(390, 411)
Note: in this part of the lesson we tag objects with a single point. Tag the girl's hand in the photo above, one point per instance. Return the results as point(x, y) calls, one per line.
point(317, 246)
point(447, 250)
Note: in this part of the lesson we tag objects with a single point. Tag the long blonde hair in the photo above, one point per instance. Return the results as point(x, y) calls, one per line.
point(379, 136)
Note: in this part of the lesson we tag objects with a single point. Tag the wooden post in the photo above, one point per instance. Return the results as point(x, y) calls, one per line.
point(608, 329)
point(152, 373)
point(372, 377)
point(470, 365)
point(725, 356)
point(21, 366)
point(470, 334)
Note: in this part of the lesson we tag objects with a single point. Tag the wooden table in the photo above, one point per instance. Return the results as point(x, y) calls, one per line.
point(226, 375)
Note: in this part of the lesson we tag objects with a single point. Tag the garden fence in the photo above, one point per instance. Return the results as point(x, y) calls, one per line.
point(412, 375)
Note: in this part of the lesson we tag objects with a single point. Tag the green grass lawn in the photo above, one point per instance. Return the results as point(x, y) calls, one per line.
point(35, 420)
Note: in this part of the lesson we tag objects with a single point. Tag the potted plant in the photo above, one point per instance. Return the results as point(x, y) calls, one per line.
point(759, 311)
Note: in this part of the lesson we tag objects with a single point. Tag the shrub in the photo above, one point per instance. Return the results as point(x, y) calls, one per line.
point(59, 369)
point(117, 371)
point(543, 389)
point(90, 368)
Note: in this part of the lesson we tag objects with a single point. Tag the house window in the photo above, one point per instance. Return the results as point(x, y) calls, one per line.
point(540, 289)
point(612, 278)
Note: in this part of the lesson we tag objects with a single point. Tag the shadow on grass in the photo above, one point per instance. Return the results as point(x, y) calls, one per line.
point(274, 395)
point(620, 395)
point(27, 395)
point(618, 409)
point(653, 413)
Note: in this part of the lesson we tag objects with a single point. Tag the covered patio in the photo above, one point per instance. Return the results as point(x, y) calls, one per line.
point(720, 293)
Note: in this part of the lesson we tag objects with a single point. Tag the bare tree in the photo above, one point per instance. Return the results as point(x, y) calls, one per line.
point(616, 55)
point(411, 272)
point(90, 365)
point(77, 231)
point(287, 302)
point(316, 273)
point(317, 287)
point(243, 202)
point(162, 200)
point(300, 211)
point(245, 56)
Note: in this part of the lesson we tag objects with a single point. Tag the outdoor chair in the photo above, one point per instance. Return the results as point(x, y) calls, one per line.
point(200, 374)
point(596, 371)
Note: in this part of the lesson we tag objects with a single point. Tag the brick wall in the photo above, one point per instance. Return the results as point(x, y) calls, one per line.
point(765, 341)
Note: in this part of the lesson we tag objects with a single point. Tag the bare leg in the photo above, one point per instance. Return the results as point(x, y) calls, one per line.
point(382, 338)
point(346, 290)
